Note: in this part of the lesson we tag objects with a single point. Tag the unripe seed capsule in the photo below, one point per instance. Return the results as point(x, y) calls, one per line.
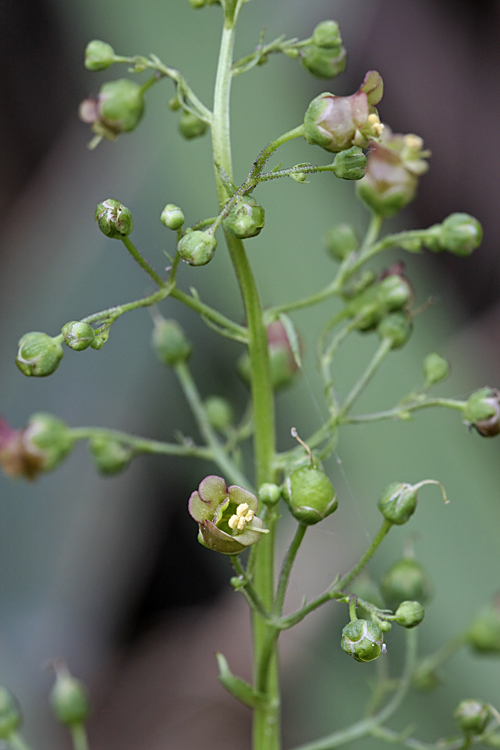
point(309, 494)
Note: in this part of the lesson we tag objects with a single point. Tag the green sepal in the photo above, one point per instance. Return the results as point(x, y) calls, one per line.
point(350, 164)
point(238, 688)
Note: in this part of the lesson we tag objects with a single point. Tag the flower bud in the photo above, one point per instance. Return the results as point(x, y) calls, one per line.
point(219, 412)
point(38, 354)
point(172, 217)
point(406, 580)
point(114, 219)
point(327, 34)
point(392, 171)
point(282, 362)
point(10, 715)
point(324, 62)
point(118, 108)
point(482, 411)
point(395, 328)
point(226, 516)
point(197, 3)
point(337, 123)
point(78, 335)
point(350, 164)
point(409, 614)
point(197, 248)
point(191, 126)
point(38, 448)
point(472, 716)
point(460, 234)
point(98, 55)
point(436, 369)
point(245, 219)
point(398, 502)
point(484, 633)
point(309, 494)
point(341, 241)
point(362, 639)
point(269, 493)
point(170, 343)
point(110, 456)
point(69, 699)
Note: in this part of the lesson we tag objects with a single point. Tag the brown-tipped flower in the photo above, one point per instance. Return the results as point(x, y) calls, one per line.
point(392, 171)
point(37, 448)
point(337, 123)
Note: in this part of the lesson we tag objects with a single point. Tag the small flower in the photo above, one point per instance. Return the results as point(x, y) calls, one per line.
point(39, 447)
point(226, 516)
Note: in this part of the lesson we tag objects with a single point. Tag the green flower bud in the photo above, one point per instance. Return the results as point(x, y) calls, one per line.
point(327, 34)
point(425, 677)
point(395, 328)
point(341, 241)
point(394, 291)
point(69, 699)
point(197, 248)
point(436, 369)
point(309, 494)
point(338, 122)
point(284, 368)
point(245, 219)
point(172, 217)
point(363, 640)
point(219, 412)
point(78, 335)
point(10, 715)
point(197, 3)
point(482, 411)
point(174, 103)
point(405, 580)
point(460, 234)
point(484, 633)
point(324, 62)
point(409, 614)
point(398, 502)
point(226, 516)
point(98, 55)
point(110, 456)
point(269, 493)
point(350, 164)
point(114, 219)
point(170, 343)
point(121, 105)
point(472, 716)
point(191, 126)
point(49, 437)
point(38, 354)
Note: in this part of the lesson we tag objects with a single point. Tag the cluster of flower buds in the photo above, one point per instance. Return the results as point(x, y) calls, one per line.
point(114, 219)
point(324, 57)
point(37, 448)
point(391, 293)
point(482, 411)
point(283, 364)
point(337, 123)
point(226, 516)
point(118, 108)
point(394, 165)
point(245, 219)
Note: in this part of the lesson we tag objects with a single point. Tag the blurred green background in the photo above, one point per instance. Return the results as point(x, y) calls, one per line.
point(106, 572)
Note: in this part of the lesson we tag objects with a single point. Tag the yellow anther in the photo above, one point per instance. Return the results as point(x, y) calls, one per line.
point(242, 509)
point(243, 515)
point(413, 141)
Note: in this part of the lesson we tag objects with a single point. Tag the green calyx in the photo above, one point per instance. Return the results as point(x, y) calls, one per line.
point(324, 62)
point(409, 614)
point(77, 335)
point(10, 715)
point(69, 699)
point(482, 411)
point(121, 106)
point(406, 580)
point(38, 354)
point(309, 494)
point(472, 716)
point(436, 368)
point(350, 164)
point(398, 502)
point(114, 219)
point(98, 55)
point(245, 219)
point(460, 234)
point(363, 640)
point(110, 456)
point(172, 217)
point(197, 248)
point(191, 126)
point(170, 343)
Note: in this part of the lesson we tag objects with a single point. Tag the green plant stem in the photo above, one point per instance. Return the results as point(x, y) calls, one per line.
point(269, 150)
point(248, 590)
point(366, 726)
point(356, 570)
point(136, 255)
point(382, 351)
point(403, 409)
point(287, 567)
point(239, 333)
point(143, 445)
point(266, 731)
point(16, 742)
point(219, 455)
point(79, 737)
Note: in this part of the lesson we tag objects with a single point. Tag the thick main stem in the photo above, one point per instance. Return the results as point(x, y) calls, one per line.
point(266, 734)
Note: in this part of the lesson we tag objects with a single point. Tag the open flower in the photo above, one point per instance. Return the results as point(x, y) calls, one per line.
point(226, 516)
